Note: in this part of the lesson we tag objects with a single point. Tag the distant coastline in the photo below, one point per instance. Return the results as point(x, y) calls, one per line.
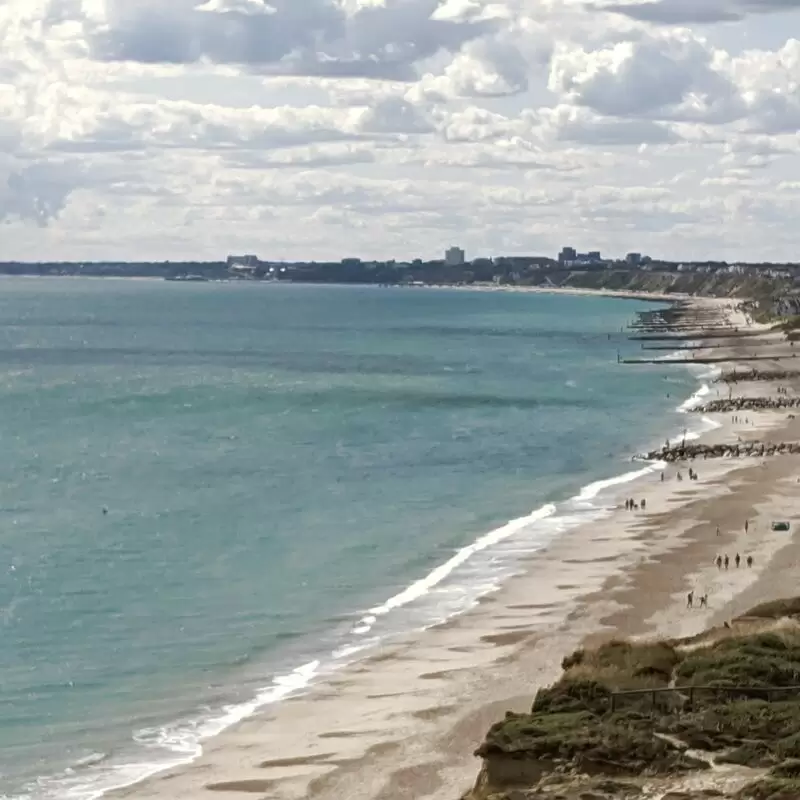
point(772, 286)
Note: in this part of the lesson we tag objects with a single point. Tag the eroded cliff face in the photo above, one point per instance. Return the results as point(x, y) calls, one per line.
point(501, 773)
point(676, 738)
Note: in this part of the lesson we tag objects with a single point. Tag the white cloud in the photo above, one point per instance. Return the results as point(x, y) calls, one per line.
point(303, 37)
point(237, 7)
point(687, 12)
point(319, 128)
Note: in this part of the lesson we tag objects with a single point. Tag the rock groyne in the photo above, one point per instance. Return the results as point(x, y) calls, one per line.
point(690, 452)
point(733, 404)
point(755, 374)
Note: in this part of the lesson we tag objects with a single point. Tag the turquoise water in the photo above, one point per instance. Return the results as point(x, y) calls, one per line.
point(277, 462)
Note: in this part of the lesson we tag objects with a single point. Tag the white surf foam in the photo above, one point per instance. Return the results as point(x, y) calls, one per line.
point(675, 354)
point(696, 399)
point(182, 741)
point(590, 492)
point(436, 576)
point(706, 424)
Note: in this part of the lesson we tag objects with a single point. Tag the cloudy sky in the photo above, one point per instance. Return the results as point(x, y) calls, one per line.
point(182, 129)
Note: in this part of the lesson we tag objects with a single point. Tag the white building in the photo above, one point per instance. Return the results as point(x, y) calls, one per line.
point(454, 257)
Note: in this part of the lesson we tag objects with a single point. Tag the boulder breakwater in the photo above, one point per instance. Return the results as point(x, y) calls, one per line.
point(755, 374)
point(693, 451)
point(733, 404)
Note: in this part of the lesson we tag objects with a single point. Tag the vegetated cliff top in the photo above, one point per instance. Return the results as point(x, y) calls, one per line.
point(727, 722)
point(716, 284)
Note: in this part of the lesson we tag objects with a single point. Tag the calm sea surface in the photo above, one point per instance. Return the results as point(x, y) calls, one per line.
point(276, 463)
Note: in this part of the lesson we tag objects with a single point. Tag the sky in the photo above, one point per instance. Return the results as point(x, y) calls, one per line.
point(325, 129)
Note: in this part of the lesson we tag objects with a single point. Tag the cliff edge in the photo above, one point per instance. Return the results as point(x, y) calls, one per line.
point(716, 715)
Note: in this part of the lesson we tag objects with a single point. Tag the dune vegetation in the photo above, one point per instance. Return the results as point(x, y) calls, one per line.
point(717, 715)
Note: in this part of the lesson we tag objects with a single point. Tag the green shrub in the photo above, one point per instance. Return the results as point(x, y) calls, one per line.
point(788, 769)
point(771, 789)
point(571, 696)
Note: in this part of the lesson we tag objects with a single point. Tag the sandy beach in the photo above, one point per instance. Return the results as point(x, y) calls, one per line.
point(403, 722)
point(623, 294)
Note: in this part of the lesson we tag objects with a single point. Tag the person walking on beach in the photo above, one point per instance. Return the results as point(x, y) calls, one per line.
point(690, 600)
point(643, 504)
point(746, 525)
point(727, 561)
point(749, 561)
point(704, 600)
point(738, 560)
point(717, 530)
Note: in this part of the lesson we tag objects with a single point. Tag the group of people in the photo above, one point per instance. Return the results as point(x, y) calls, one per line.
point(703, 600)
point(726, 561)
point(632, 505)
point(722, 562)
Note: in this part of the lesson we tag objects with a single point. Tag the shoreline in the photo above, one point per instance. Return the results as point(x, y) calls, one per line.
point(313, 770)
point(621, 294)
point(463, 652)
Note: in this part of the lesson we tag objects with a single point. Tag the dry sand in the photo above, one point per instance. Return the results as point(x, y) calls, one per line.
point(653, 297)
point(403, 723)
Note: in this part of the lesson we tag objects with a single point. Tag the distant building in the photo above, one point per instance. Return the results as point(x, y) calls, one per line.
point(243, 261)
point(454, 257)
point(567, 255)
point(523, 262)
point(634, 259)
point(594, 255)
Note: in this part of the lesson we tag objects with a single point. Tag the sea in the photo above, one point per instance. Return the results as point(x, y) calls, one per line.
point(213, 495)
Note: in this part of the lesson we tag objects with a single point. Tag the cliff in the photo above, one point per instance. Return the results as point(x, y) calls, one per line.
point(718, 284)
point(717, 715)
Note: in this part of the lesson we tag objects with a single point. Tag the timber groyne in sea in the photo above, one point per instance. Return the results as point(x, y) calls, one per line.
point(701, 359)
point(693, 335)
point(680, 349)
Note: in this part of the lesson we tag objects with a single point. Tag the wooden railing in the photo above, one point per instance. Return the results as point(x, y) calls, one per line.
point(768, 693)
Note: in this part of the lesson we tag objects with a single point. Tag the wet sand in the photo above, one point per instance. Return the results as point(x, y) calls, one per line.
point(403, 723)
